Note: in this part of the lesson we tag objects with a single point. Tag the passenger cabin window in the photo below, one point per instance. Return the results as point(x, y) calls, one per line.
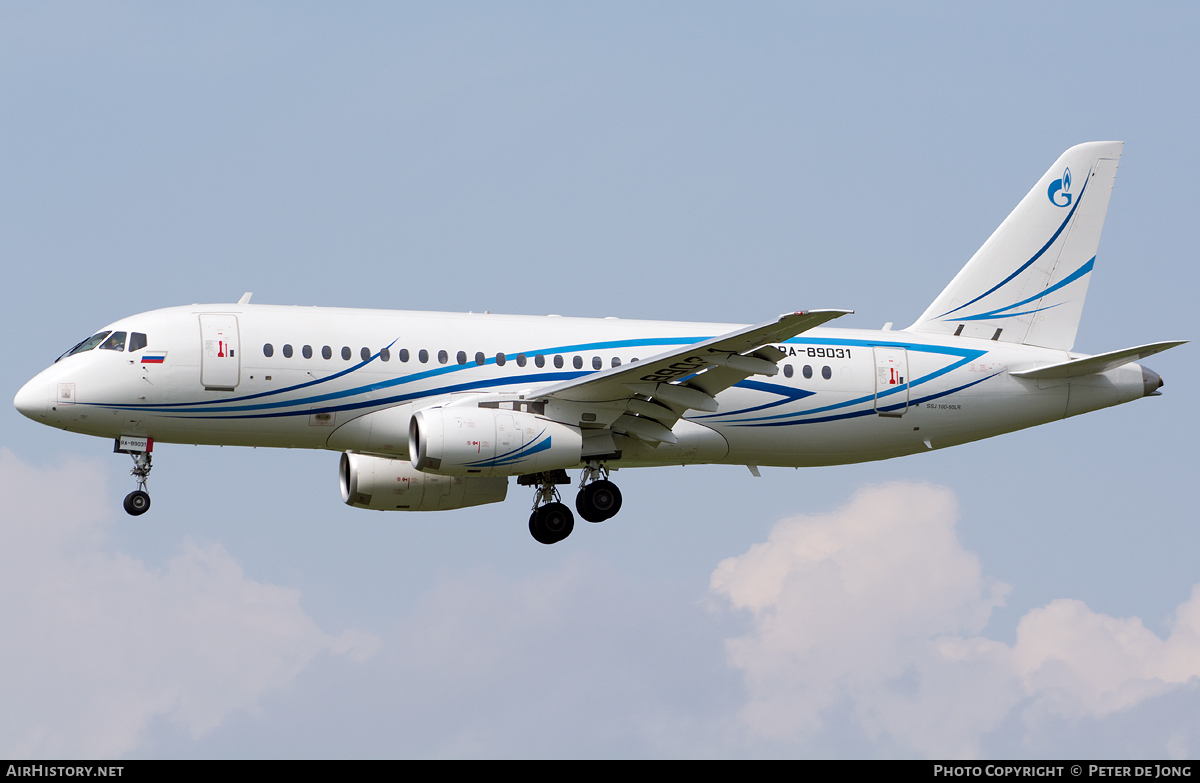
point(521, 360)
point(86, 345)
point(385, 354)
point(500, 360)
point(287, 351)
point(443, 357)
point(577, 362)
point(480, 358)
point(423, 355)
point(306, 351)
point(365, 353)
point(326, 352)
point(787, 371)
point(404, 354)
point(558, 362)
point(114, 343)
point(539, 360)
point(346, 353)
point(461, 358)
point(268, 350)
point(137, 341)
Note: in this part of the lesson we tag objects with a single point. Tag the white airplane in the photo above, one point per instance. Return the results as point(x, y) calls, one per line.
point(437, 411)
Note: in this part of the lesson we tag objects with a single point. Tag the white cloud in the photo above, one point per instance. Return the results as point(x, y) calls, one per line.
point(96, 644)
point(878, 606)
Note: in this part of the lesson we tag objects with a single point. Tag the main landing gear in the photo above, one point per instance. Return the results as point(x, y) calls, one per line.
point(598, 498)
point(551, 520)
point(138, 501)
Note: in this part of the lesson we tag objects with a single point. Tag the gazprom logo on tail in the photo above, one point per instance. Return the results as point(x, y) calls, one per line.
point(1061, 188)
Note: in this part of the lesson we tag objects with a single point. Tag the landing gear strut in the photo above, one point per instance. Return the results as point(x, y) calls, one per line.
point(138, 501)
point(551, 521)
point(598, 498)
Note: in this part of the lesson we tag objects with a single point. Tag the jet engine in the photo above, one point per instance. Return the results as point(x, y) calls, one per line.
point(386, 484)
point(490, 442)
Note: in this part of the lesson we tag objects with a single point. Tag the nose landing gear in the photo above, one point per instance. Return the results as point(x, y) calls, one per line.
point(138, 501)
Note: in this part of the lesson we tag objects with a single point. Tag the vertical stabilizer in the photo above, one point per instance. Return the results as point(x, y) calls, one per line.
point(1028, 281)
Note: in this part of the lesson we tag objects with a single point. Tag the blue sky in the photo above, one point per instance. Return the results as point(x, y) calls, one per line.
point(683, 161)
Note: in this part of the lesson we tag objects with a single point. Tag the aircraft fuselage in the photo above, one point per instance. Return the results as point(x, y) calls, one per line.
point(347, 380)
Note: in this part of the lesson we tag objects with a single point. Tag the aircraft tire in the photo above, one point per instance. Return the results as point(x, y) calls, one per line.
point(598, 501)
point(137, 503)
point(551, 523)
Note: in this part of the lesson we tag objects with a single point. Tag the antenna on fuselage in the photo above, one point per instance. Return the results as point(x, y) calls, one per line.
point(246, 297)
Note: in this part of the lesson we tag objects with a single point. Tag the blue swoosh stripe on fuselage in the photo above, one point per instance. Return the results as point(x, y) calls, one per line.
point(386, 401)
point(869, 411)
point(284, 390)
point(789, 395)
point(965, 355)
point(185, 407)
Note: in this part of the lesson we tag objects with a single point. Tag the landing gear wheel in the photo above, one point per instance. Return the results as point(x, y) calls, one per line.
point(137, 503)
point(598, 501)
point(551, 523)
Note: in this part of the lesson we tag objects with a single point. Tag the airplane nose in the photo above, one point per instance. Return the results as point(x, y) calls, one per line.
point(33, 399)
point(1151, 383)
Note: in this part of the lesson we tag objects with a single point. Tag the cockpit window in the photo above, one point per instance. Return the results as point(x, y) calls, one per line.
point(86, 345)
point(114, 343)
point(137, 341)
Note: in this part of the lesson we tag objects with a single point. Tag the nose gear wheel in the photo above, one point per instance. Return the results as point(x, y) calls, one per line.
point(138, 501)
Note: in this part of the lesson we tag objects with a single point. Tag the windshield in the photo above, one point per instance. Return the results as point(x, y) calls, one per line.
point(88, 344)
point(114, 343)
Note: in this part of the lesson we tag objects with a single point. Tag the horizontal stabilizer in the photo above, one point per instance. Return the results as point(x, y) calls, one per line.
point(1096, 364)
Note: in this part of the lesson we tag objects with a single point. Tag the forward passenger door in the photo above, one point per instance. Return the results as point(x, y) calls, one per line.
point(220, 360)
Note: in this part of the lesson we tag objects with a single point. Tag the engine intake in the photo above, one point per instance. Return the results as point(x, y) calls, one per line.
point(490, 442)
point(395, 485)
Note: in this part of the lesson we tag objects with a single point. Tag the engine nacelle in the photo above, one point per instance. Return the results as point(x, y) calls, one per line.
point(395, 485)
point(490, 442)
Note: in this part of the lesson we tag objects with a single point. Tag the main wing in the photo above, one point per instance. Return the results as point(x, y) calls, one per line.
point(656, 392)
